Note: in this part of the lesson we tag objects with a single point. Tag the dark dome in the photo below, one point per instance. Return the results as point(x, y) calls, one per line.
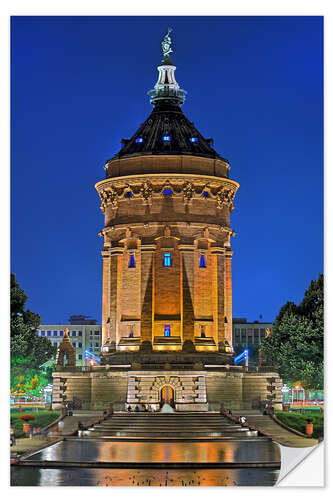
point(167, 131)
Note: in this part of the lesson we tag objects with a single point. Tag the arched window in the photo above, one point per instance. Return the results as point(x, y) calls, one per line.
point(167, 330)
point(202, 260)
point(131, 262)
point(167, 260)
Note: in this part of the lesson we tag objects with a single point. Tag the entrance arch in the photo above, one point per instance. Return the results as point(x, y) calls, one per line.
point(168, 395)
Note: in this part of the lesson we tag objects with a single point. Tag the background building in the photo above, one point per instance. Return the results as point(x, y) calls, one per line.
point(82, 337)
point(245, 334)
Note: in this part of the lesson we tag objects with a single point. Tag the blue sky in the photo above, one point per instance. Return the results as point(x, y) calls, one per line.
point(78, 86)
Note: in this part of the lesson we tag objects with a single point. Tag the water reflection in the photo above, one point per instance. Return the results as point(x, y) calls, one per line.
point(33, 476)
point(165, 452)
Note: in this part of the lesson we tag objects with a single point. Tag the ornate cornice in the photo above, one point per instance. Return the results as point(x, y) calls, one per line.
point(146, 187)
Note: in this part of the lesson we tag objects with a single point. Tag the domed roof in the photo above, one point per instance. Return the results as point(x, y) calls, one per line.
point(167, 131)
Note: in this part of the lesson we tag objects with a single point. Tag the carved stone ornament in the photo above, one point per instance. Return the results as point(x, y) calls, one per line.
point(146, 192)
point(225, 197)
point(188, 191)
point(109, 197)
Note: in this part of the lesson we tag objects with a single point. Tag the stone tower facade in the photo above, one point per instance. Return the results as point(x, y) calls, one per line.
point(167, 286)
point(167, 199)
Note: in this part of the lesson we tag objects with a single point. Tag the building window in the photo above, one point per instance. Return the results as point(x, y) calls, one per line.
point(131, 331)
point(80, 356)
point(202, 260)
point(74, 344)
point(96, 344)
point(91, 344)
point(61, 333)
point(167, 260)
point(55, 344)
point(80, 334)
point(167, 330)
point(194, 139)
point(55, 333)
point(166, 138)
point(49, 334)
point(131, 262)
point(167, 191)
point(43, 333)
point(202, 331)
point(139, 139)
point(96, 332)
point(80, 344)
point(73, 333)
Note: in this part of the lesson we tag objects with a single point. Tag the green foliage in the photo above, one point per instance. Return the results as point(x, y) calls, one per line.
point(26, 348)
point(295, 345)
point(42, 419)
point(298, 421)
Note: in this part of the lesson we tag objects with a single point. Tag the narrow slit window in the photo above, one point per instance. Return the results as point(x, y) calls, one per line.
point(203, 260)
point(131, 331)
point(167, 260)
point(131, 262)
point(167, 330)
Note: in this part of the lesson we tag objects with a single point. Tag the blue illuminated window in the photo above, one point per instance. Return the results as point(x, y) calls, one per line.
point(74, 344)
point(90, 344)
point(194, 139)
point(129, 194)
point(42, 333)
point(202, 260)
point(49, 333)
point(61, 333)
point(205, 194)
point(167, 191)
point(166, 138)
point(167, 330)
point(131, 262)
point(139, 139)
point(167, 260)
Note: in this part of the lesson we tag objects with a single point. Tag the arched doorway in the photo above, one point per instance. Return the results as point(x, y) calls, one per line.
point(168, 396)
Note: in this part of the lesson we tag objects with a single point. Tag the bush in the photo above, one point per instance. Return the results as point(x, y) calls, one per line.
point(42, 419)
point(298, 421)
point(26, 418)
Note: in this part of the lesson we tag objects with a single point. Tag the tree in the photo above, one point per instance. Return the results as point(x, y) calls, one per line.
point(26, 348)
point(296, 343)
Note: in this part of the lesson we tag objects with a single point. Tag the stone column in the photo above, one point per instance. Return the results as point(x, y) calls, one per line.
point(218, 256)
point(115, 254)
point(228, 296)
point(106, 296)
point(187, 260)
point(147, 253)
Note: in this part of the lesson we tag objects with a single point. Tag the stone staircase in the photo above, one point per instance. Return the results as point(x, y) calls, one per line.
point(171, 425)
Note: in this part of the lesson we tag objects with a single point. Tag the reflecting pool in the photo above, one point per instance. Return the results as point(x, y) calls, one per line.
point(34, 476)
point(81, 450)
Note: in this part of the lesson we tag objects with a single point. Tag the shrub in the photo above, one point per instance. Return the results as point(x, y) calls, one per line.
point(26, 418)
point(298, 421)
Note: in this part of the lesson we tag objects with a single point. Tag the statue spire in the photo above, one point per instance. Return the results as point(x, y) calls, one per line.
point(166, 48)
point(166, 88)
